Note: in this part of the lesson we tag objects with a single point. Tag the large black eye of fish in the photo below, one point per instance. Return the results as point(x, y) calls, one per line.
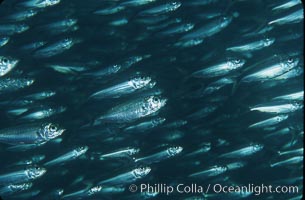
point(4, 61)
point(53, 128)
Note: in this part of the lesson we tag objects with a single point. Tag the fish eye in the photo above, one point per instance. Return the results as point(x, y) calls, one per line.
point(53, 128)
point(4, 60)
point(237, 61)
point(37, 168)
point(155, 99)
point(290, 60)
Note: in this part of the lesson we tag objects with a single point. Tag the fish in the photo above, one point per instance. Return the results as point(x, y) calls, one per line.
point(14, 188)
point(130, 86)
point(278, 108)
point(210, 29)
point(7, 64)
point(121, 153)
point(295, 17)
point(296, 96)
point(30, 134)
point(11, 84)
point(289, 161)
point(25, 175)
point(39, 3)
point(212, 171)
point(161, 9)
point(246, 151)
point(146, 125)
point(133, 110)
point(12, 29)
point(269, 122)
point(162, 155)
point(127, 177)
point(71, 155)
point(55, 48)
point(22, 15)
point(252, 46)
point(220, 69)
point(272, 71)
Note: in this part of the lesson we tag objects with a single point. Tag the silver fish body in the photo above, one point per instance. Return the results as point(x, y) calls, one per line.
point(145, 126)
point(30, 134)
point(269, 122)
point(213, 171)
point(14, 188)
point(272, 71)
point(55, 48)
point(158, 157)
point(213, 27)
point(220, 69)
point(22, 176)
point(162, 9)
point(124, 88)
point(71, 155)
point(127, 177)
point(279, 108)
point(134, 110)
point(246, 151)
point(11, 84)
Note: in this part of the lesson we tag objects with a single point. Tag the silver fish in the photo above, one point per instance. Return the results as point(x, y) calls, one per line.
point(127, 87)
point(84, 193)
point(213, 27)
point(252, 46)
point(269, 122)
point(134, 3)
point(220, 69)
point(145, 126)
point(30, 134)
point(22, 176)
point(39, 3)
point(182, 28)
point(40, 95)
point(213, 171)
point(158, 157)
point(133, 110)
point(288, 162)
point(293, 73)
point(296, 96)
point(31, 161)
point(246, 151)
point(55, 48)
point(121, 153)
point(7, 64)
point(32, 46)
point(22, 15)
point(127, 177)
point(109, 10)
point(11, 84)
point(71, 155)
point(161, 9)
point(42, 112)
point(286, 5)
point(217, 85)
point(14, 188)
point(278, 108)
point(295, 17)
point(62, 26)
point(272, 71)
point(12, 29)
point(299, 151)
